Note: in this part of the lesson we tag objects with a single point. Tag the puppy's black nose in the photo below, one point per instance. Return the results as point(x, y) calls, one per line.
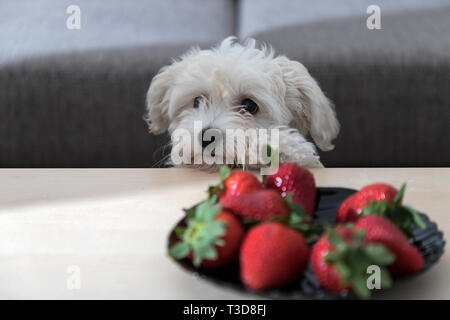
point(205, 142)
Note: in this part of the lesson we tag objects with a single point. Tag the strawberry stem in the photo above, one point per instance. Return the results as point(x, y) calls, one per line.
point(213, 191)
point(300, 221)
point(352, 260)
point(202, 234)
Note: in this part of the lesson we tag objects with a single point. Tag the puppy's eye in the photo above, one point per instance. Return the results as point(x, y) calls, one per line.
point(250, 106)
point(197, 101)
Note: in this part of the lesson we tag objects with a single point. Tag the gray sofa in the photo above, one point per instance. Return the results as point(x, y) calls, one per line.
point(75, 98)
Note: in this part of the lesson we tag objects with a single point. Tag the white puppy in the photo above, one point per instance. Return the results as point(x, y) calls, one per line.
point(242, 86)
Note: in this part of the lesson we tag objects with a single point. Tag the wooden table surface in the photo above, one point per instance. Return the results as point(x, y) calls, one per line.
point(108, 228)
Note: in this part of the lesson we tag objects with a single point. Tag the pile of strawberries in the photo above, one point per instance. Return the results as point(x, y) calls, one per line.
point(269, 227)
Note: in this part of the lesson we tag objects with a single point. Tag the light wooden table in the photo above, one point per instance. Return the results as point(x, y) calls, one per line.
point(109, 227)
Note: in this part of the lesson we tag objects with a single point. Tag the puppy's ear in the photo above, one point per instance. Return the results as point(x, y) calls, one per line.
point(158, 100)
point(312, 110)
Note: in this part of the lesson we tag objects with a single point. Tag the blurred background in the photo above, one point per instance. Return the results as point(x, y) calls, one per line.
point(72, 93)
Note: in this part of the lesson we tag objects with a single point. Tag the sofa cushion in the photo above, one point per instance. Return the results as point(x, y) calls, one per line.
point(258, 16)
point(390, 86)
point(76, 98)
point(81, 109)
point(37, 28)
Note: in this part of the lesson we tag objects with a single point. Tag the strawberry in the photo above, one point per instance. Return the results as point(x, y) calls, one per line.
point(212, 237)
point(381, 199)
point(272, 255)
point(353, 206)
point(326, 273)
point(296, 180)
point(408, 258)
point(234, 183)
point(241, 182)
point(340, 259)
point(259, 205)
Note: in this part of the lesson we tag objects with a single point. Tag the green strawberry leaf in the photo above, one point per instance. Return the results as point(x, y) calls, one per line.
point(376, 207)
point(399, 196)
point(344, 271)
point(379, 254)
point(214, 229)
point(203, 250)
point(300, 221)
point(385, 278)
point(206, 212)
point(357, 260)
point(415, 216)
point(213, 191)
point(334, 256)
point(224, 172)
point(197, 258)
point(358, 238)
point(352, 258)
point(213, 199)
point(359, 286)
point(190, 213)
point(210, 253)
point(179, 231)
point(202, 234)
point(219, 242)
point(179, 250)
point(311, 238)
point(335, 239)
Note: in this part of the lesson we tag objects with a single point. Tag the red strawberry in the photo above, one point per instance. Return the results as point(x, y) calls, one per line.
point(211, 239)
point(340, 259)
point(272, 255)
point(232, 239)
point(353, 206)
point(408, 258)
point(241, 182)
point(383, 200)
point(327, 274)
point(259, 205)
point(296, 180)
point(234, 183)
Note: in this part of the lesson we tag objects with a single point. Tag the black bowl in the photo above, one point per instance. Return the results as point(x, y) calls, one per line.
point(430, 241)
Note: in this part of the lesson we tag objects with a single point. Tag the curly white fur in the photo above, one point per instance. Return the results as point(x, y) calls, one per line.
point(288, 97)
